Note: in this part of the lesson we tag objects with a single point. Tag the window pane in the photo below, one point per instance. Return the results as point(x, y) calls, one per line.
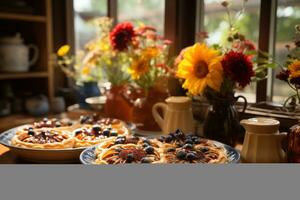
point(288, 15)
point(149, 12)
point(215, 23)
point(84, 12)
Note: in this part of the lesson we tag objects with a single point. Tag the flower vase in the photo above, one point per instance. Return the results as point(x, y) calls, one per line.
point(87, 89)
point(142, 109)
point(117, 105)
point(222, 121)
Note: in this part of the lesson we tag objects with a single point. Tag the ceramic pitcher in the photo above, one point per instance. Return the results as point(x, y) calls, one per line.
point(176, 114)
point(14, 54)
point(263, 142)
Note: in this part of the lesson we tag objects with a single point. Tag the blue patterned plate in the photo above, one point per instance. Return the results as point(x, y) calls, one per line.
point(88, 156)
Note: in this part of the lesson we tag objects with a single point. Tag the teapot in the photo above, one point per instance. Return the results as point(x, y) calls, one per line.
point(176, 114)
point(263, 142)
point(14, 54)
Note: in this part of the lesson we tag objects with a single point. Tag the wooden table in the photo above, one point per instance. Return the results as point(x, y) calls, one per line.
point(6, 157)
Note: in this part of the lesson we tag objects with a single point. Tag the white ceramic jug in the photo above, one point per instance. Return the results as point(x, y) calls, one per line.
point(263, 142)
point(14, 55)
point(177, 114)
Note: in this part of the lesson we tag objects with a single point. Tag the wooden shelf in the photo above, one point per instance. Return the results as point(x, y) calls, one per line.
point(22, 17)
point(25, 75)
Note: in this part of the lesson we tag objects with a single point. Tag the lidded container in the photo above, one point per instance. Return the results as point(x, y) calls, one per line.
point(263, 141)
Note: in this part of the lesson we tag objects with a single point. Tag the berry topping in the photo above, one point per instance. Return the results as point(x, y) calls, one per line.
point(191, 156)
point(149, 150)
point(96, 128)
point(129, 158)
point(106, 132)
point(181, 155)
point(146, 160)
point(188, 146)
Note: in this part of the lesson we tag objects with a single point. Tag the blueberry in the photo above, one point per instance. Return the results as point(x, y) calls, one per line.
point(145, 145)
point(181, 155)
point(162, 138)
point(179, 133)
point(191, 156)
point(30, 129)
point(149, 150)
point(147, 141)
point(113, 133)
point(188, 146)
point(129, 158)
point(96, 128)
point(106, 132)
point(146, 160)
point(168, 138)
point(30, 132)
point(189, 141)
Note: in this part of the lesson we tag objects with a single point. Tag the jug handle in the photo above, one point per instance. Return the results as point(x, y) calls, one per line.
point(36, 53)
point(245, 102)
point(282, 137)
point(159, 120)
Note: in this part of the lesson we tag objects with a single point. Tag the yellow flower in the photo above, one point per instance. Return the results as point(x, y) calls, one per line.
point(139, 67)
point(294, 69)
point(63, 50)
point(201, 66)
point(150, 52)
point(85, 70)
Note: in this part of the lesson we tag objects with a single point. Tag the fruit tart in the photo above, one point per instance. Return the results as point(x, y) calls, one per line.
point(129, 153)
point(144, 142)
point(181, 148)
point(89, 135)
point(43, 139)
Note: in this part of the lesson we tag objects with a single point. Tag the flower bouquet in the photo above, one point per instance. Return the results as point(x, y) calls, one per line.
point(216, 72)
point(290, 73)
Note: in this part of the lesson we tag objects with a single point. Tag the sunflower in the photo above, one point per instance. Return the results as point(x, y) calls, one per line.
point(294, 69)
point(63, 50)
point(139, 67)
point(200, 67)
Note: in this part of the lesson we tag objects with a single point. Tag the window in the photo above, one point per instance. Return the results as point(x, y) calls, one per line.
point(215, 23)
point(288, 15)
point(84, 12)
point(149, 12)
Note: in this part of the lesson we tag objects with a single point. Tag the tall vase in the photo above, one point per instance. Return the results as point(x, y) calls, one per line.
point(142, 109)
point(117, 105)
point(222, 122)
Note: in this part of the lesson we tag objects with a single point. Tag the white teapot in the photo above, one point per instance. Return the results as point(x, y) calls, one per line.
point(14, 54)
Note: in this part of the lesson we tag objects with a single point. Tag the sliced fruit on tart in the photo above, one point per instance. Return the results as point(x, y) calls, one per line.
point(181, 148)
point(89, 135)
point(129, 153)
point(43, 139)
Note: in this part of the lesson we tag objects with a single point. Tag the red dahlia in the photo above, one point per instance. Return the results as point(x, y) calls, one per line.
point(121, 36)
point(238, 67)
point(283, 75)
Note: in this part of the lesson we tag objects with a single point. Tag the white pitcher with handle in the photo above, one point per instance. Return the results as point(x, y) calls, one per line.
point(176, 114)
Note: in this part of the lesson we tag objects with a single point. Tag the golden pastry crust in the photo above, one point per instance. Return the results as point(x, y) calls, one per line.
point(90, 135)
point(129, 153)
point(43, 139)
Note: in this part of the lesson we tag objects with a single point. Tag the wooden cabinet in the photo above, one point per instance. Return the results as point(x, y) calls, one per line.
point(34, 23)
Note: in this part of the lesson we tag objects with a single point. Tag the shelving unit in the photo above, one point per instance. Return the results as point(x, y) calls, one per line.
point(35, 28)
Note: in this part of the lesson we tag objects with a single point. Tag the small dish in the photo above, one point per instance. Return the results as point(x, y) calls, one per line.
point(96, 103)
